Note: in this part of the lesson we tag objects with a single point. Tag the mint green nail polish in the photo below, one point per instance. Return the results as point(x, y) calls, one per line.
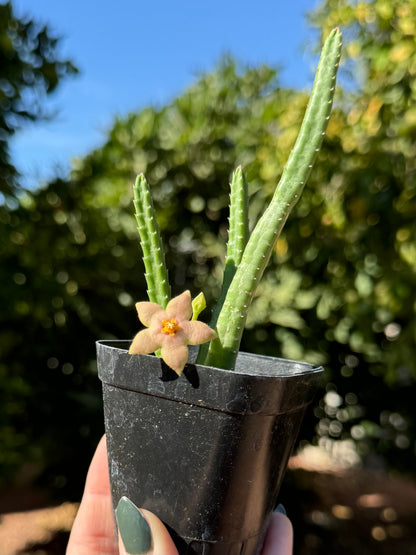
point(133, 528)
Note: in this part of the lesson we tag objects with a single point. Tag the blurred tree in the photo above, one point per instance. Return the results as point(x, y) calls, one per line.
point(30, 68)
point(70, 256)
point(340, 286)
point(369, 220)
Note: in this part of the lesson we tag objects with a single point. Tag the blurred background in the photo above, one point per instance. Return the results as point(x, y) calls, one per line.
point(185, 95)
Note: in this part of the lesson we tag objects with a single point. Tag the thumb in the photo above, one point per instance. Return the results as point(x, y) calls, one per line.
point(141, 532)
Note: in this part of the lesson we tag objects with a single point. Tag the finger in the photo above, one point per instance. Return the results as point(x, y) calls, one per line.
point(141, 532)
point(162, 542)
point(93, 532)
point(279, 537)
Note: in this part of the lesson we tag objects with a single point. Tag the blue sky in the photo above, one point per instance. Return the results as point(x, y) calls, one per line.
point(133, 53)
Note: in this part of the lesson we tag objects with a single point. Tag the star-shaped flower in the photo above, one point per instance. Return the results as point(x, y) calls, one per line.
point(170, 331)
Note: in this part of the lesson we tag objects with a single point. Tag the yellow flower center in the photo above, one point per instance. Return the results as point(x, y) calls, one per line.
point(170, 326)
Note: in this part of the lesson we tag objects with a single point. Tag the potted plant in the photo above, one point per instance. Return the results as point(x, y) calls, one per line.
point(202, 436)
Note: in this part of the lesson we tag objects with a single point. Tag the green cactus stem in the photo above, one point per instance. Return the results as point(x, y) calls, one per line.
point(231, 320)
point(237, 240)
point(156, 274)
point(238, 221)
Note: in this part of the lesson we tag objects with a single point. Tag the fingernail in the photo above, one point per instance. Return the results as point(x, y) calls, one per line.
point(133, 528)
point(280, 509)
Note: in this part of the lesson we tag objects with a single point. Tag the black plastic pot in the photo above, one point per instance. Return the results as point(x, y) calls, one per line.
point(207, 451)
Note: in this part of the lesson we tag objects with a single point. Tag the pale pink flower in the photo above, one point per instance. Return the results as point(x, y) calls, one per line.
point(170, 331)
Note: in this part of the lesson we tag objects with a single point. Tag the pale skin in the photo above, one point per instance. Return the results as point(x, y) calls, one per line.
point(93, 532)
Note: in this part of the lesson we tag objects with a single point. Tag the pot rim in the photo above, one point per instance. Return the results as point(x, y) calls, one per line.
point(269, 389)
point(297, 368)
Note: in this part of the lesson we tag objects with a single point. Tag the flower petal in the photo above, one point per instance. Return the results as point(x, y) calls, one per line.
point(146, 311)
point(180, 307)
point(175, 356)
point(197, 332)
point(144, 343)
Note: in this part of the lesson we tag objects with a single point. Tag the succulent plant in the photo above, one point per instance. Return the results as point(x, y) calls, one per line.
point(247, 256)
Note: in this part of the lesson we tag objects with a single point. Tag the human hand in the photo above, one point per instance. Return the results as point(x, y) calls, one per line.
point(93, 532)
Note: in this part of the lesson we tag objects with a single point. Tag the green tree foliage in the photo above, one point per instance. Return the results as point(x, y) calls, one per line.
point(340, 286)
point(71, 261)
point(370, 214)
point(30, 68)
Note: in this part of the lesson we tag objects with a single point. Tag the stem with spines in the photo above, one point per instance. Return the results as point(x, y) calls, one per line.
point(237, 240)
point(231, 320)
point(156, 274)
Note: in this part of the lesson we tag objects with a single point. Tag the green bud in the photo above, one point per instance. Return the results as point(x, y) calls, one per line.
point(198, 305)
